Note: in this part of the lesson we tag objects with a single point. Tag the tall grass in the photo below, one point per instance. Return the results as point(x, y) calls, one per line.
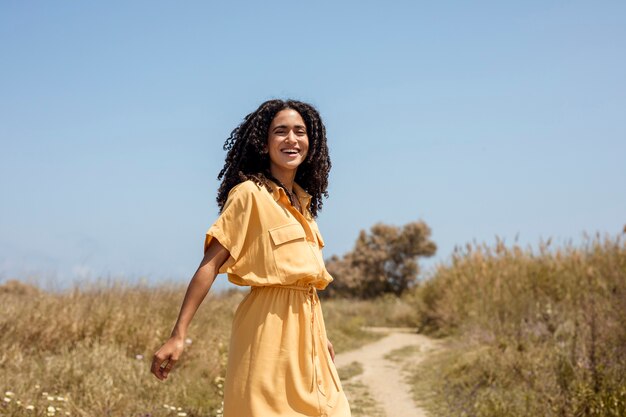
point(537, 333)
point(93, 348)
point(88, 351)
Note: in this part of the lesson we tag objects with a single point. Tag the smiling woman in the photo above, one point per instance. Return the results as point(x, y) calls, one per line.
point(280, 361)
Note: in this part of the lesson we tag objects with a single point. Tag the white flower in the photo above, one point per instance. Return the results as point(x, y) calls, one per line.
point(50, 398)
point(181, 413)
point(6, 399)
point(30, 407)
point(139, 356)
point(9, 394)
point(188, 340)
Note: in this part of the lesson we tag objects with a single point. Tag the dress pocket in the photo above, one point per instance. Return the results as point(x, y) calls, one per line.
point(293, 255)
point(287, 233)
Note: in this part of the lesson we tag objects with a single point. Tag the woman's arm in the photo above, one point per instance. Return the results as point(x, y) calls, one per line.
point(197, 290)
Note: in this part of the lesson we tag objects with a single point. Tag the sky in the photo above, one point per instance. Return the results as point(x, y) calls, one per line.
point(485, 120)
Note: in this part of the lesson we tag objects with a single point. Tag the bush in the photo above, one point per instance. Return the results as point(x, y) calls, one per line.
point(539, 333)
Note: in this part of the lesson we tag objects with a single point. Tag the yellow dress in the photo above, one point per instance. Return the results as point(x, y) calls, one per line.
point(278, 360)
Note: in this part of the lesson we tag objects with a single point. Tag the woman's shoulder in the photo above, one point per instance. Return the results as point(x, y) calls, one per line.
point(245, 189)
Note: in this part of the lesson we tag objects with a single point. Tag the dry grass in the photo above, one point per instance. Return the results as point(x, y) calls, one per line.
point(87, 352)
point(537, 333)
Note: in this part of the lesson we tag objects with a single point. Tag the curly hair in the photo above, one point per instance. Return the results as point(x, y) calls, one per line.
point(245, 159)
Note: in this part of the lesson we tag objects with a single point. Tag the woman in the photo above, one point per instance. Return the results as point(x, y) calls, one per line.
point(280, 361)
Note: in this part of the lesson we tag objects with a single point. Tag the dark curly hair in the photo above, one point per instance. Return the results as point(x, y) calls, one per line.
point(245, 159)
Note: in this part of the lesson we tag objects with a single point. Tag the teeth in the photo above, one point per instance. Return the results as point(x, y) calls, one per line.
point(290, 151)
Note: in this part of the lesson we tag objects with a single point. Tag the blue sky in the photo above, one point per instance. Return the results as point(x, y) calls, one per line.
point(481, 119)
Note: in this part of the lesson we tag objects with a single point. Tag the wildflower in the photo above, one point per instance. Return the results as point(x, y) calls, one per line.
point(44, 393)
point(139, 356)
point(166, 406)
point(9, 394)
point(51, 409)
point(181, 413)
point(59, 398)
point(188, 340)
point(37, 386)
point(6, 399)
point(50, 398)
point(18, 402)
point(172, 408)
point(30, 407)
point(67, 413)
point(179, 408)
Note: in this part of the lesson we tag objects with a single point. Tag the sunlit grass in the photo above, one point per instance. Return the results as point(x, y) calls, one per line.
point(87, 351)
point(536, 333)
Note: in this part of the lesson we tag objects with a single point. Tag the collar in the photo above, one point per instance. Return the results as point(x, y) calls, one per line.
point(303, 196)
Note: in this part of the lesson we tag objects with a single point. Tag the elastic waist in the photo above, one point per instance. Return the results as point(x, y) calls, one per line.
point(307, 288)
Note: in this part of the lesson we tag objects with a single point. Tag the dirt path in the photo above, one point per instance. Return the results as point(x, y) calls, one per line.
point(383, 377)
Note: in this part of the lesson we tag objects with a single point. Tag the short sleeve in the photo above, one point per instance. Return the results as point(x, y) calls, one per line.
point(234, 226)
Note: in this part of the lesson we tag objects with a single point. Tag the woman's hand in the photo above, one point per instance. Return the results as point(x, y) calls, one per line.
point(165, 358)
point(169, 352)
point(331, 350)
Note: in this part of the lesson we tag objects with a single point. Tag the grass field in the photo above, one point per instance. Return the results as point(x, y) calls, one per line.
point(530, 333)
point(535, 333)
point(87, 351)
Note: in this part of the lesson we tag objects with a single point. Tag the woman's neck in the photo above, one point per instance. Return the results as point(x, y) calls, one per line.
point(285, 177)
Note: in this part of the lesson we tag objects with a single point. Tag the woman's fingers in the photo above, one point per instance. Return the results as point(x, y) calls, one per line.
point(156, 365)
point(166, 357)
point(161, 366)
point(168, 367)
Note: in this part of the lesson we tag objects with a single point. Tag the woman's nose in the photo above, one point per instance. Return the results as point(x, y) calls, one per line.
point(291, 137)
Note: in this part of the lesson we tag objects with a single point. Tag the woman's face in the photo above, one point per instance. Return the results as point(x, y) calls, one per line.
point(288, 141)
